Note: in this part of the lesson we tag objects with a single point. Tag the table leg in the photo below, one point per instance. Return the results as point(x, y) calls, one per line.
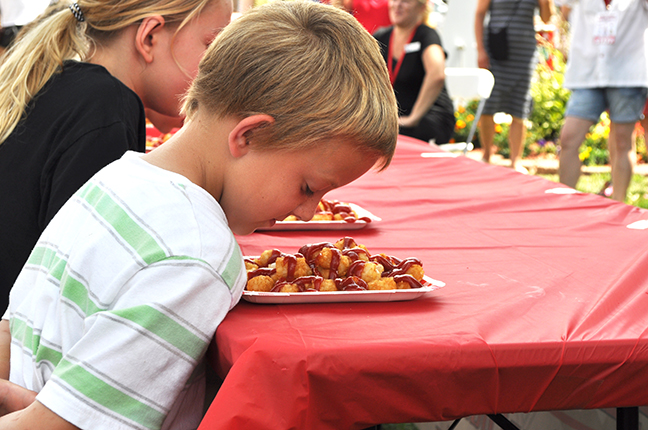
point(454, 424)
point(628, 418)
point(503, 422)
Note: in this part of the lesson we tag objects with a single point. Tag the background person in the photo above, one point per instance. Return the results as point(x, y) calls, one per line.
point(606, 69)
point(86, 114)
point(512, 90)
point(416, 63)
point(131, 278)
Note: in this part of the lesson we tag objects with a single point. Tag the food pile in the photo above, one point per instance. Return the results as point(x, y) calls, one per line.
point(343, 266)
point(333, 210)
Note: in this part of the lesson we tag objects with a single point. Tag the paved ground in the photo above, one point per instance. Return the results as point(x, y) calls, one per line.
point(548, 165)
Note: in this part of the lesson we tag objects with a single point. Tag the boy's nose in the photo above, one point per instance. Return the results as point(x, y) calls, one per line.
point(306, 210)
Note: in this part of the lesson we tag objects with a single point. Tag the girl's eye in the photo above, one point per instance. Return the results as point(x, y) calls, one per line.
point(307, 191)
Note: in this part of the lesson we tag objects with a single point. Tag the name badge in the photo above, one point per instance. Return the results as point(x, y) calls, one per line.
point(605, 30)
point(412, 47)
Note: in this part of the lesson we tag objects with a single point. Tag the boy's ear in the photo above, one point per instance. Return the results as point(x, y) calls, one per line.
point(243, 133)
point(147, 36)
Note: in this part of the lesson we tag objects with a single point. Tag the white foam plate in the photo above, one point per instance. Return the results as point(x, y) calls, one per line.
point(326, 225)
point(429, 285)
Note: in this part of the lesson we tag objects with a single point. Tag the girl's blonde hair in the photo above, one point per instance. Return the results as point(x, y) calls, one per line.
point(57, 36)
point(312, 67)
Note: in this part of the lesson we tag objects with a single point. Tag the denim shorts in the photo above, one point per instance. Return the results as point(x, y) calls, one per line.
point(625, 104)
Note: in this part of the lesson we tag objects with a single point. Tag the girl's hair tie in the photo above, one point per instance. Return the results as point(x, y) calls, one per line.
point(76, 11)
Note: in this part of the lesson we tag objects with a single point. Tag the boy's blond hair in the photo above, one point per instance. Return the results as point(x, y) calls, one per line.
point(312, 67)
point(57, 35)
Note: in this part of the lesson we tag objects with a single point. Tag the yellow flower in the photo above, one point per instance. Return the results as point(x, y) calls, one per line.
point(461, 109)
point(498, 128)
point(470, 117)
point(460, 124)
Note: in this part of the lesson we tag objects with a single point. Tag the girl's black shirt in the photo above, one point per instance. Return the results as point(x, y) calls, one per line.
point(82, 120)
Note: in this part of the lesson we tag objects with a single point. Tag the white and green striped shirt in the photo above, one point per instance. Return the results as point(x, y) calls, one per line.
point(113, 312)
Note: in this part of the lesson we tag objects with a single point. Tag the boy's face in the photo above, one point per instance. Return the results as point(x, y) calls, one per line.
point(270, 185)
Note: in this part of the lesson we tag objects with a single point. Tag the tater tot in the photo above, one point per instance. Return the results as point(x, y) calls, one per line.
point(416, 271)
point(301, 268)
point(382, 284)
point(328, 285)
point(324, 216)
point(324, 258)
point(266, 257)
point(403, 286)
point(260, 283)
point(371, 272)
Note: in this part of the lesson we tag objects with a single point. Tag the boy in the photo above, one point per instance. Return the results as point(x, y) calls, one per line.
point(112, 314)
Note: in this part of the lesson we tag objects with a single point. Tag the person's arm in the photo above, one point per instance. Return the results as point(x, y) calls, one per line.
point(480, 14)
point(547, 10)
point(5, 349)
point(565, 11)
point(434, 64)
point(34, 417)
point(14, 398)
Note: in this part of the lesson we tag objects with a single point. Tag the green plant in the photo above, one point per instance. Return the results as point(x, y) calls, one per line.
point(549, 95)
point(593, 151)
point(464, 116)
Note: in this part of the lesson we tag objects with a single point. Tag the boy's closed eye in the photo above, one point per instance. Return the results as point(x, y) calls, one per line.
point(307, 191)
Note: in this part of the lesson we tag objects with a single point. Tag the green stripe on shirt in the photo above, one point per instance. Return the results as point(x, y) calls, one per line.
point(108, 396)
point(233, 268)
point(24, 333)
point(129, 229)
point(71, 288)
point(166, 328)
point(47, 258)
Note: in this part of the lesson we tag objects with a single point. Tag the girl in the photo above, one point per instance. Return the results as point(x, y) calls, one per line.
point(72, 94)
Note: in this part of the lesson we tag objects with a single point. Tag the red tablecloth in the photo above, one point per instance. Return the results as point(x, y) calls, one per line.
point(545, 307)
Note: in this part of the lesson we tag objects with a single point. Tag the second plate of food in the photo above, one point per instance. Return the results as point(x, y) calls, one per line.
point(330, 215)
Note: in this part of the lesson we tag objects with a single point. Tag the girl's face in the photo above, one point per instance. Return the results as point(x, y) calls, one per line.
point(180, 52)
point(405, 12)
point(270, 185)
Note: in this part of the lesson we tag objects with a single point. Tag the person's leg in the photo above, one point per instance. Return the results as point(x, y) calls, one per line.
point(571, 136)
point(486, 136)
point(626, 106)
point(584, 109)
point(623, 161)
point(517, 134)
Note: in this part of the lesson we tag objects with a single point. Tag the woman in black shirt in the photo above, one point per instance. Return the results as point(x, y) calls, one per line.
point(416, 63)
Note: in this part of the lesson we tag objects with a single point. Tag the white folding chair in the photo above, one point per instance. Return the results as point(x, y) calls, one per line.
point(465, 84)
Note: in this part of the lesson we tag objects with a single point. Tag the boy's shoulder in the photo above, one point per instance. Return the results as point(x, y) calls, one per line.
point(163, 204)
